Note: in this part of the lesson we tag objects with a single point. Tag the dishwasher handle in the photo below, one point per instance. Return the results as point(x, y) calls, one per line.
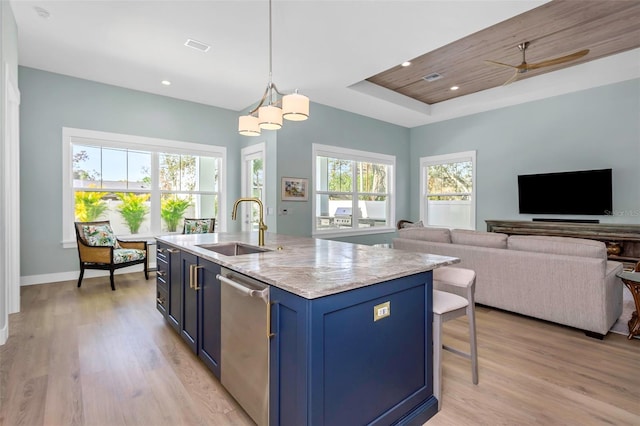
point(263, 294)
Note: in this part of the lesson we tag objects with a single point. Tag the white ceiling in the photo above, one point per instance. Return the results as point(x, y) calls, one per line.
point(324, 48)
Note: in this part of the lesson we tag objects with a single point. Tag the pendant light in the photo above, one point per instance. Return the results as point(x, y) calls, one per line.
point(274, 105)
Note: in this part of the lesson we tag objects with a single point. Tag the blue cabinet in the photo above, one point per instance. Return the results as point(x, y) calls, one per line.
point(189, 323)
point(174, 286)
point(199, 325)
point(334, 363)
point(358, 357)
point(209, 315)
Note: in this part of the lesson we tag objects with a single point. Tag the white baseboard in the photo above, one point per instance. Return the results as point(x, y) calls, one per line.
point(73, 275)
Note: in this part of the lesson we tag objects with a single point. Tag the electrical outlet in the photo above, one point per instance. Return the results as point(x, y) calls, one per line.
point(382, 310)
point(284, 212)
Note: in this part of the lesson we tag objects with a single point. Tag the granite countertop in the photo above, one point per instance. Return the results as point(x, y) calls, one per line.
point(310, 267)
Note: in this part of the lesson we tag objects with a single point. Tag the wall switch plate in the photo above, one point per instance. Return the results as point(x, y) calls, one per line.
point(382, 310)
point(269, 211)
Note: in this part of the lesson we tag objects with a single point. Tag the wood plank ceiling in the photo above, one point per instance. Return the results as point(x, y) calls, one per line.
point(555, 29)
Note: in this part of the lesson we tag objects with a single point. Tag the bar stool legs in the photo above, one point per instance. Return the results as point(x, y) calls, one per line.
point(447, 306)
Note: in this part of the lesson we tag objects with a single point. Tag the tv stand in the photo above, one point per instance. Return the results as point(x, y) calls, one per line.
point(542, 219)
point(623, 241)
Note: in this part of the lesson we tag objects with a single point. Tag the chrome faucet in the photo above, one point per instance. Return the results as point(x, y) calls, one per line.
point(261, 226)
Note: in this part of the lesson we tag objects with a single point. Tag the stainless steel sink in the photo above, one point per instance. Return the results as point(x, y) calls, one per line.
point(233, 249)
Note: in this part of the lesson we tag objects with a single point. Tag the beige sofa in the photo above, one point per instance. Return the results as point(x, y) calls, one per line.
point(565, 280)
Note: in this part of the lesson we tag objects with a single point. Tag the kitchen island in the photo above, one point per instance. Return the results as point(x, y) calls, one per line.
point(348, 327)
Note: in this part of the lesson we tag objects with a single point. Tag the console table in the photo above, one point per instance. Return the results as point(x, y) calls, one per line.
point(623, 241)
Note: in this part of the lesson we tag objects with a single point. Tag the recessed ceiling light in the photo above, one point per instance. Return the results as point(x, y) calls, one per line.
point(198, 45)
point(406, 64)
point(42, 12)
point(166, 82)
point(454, 87)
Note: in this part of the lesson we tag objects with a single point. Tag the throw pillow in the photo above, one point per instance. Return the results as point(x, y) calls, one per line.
point(413, 225)
point(196, 226)
point(100, 236)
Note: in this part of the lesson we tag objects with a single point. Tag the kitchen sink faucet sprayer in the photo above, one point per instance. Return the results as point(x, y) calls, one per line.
point(261, 226)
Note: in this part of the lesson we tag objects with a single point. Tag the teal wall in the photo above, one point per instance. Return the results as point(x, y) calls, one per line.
point(330, 126)
point(591, 129)
point(53, 101)
point(595, 128)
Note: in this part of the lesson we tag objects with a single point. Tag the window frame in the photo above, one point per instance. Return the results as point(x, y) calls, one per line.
point(456, 157)
point(74, 136)
point(249, 153)
point(319, 150)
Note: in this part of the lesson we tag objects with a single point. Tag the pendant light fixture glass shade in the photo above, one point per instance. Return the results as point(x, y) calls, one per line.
point(270, 117)
point(248, 125)
point(295, 107)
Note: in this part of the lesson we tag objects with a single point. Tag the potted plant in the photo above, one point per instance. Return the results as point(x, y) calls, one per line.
point(133, 209)
point(89, 206)
point(172, 210)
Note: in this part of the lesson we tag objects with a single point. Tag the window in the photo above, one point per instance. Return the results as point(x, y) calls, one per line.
point(141, 185)
point(253, 184)
point(353, 191)
point(448, 190)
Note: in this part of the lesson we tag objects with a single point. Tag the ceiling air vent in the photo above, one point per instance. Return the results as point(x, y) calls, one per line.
point(198, 45)
point(432, 77)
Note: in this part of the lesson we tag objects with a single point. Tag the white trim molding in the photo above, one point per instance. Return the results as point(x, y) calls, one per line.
point(11, 194)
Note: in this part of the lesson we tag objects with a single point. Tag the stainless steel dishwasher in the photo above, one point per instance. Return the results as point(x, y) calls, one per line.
point(244, 363)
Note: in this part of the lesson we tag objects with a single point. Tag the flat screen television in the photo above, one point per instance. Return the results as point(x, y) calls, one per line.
point(585, 192)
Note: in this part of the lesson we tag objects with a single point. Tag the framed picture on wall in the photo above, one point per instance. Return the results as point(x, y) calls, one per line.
point(295, 189)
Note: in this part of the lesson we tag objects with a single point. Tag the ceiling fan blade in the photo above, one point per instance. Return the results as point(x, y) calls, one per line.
point(560, 60)
point(513, 78)
point(500, 64)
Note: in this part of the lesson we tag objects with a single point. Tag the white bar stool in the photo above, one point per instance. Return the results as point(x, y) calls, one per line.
point(453, 297)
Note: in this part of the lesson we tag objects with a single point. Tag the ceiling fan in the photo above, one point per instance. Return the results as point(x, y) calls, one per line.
point(524, 66)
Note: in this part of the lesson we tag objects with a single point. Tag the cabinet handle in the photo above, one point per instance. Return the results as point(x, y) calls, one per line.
point(161, 273)
point(195, 276)
point(269, 333)
point(191, 276)
point(173, 250)
point(160, 301)
point(161, 250)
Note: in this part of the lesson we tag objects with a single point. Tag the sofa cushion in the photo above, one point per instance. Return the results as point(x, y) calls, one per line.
point(478, 238)
point(436, 235)
point(558, 245)
point(128, 255)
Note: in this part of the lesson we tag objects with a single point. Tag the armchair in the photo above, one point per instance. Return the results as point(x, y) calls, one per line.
point(99, 248)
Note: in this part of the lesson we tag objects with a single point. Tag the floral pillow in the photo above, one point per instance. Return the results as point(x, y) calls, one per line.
point(100, 235)
point(196, 226)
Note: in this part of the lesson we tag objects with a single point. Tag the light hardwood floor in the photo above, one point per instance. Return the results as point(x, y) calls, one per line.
point(91, 356)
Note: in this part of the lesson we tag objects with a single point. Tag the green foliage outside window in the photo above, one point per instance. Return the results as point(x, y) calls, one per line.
point(133, 209)
point(453, 181)
point(172, 210)
point(89, 206)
